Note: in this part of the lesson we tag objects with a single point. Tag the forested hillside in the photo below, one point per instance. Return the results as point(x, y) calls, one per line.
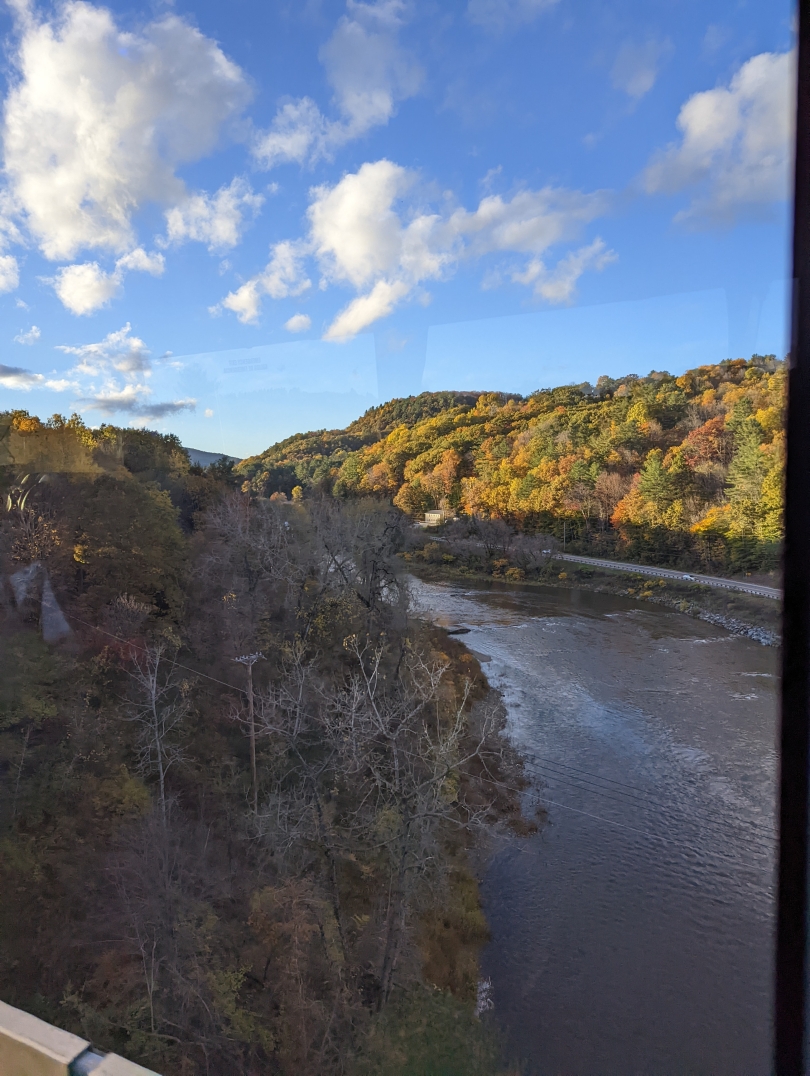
point(238, 780)
point(670, 469)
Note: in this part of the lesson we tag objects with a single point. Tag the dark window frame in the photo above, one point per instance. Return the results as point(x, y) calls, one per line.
point(792, 916)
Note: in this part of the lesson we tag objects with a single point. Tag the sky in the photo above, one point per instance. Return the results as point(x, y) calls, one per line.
point(236, 222)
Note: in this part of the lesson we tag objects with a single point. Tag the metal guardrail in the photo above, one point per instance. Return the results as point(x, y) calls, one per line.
point(671, 573)
point(31, 1047)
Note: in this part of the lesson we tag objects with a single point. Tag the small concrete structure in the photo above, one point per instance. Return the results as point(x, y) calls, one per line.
point(438, 516)
point(31, 1047)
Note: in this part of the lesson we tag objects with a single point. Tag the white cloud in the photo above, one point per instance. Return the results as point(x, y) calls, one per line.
point(366, 67)
point(113, 378)
point(215, 220)
point(735, 145)
point(356, 232)
point(208, 413)
point(139, 261)
point(502, 15)
point(115, 115)
point(29, 337)
point(530, 222)
point(558, 285)
point(636, 67)
point(362, 234)
point(366, 309)
point(86, 287)
point(298, 323)
point(283, 277)
point(119, 351)
point(9, 273)
point(14, 377)
point(299, 133)
point(369, 73)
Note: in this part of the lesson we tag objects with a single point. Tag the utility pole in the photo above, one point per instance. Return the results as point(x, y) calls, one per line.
point(249, 660)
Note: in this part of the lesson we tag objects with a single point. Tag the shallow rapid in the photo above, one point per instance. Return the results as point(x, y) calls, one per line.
point(634, 932)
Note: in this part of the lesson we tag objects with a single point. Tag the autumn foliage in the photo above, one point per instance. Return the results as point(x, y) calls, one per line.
point(660, 468)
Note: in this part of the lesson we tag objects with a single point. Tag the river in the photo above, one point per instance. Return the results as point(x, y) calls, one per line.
point(634, 932)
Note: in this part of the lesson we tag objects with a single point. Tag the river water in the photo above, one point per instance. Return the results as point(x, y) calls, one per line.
point(634, 932)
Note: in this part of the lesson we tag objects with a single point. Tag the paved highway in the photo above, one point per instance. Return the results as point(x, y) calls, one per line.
point(668, 573)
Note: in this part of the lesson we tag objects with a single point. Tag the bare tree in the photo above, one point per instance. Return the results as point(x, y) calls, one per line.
point(581, 498)
point(166, 879)
point(370, 773)
point(495, 535)
point(356, 545)
point(256, 558)
point(159, 705)
point(609, 489)
point(407, 755)
point(249, 660)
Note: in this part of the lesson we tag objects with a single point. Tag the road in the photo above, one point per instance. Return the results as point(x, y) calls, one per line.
point(668, 573)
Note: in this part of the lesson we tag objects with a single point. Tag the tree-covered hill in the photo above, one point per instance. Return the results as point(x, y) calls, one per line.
point(683, 468)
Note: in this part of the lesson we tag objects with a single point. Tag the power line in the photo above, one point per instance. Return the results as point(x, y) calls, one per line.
point(588, 773)
point(143, 649)
point(545, 766)
point(585, 781)
point(654, 805)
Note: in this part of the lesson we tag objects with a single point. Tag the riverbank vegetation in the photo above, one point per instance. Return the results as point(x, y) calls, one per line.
point(684, 471)
point(239, 782)
point(488, 552)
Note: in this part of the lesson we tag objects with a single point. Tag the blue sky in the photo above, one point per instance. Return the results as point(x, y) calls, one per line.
point(238, 221)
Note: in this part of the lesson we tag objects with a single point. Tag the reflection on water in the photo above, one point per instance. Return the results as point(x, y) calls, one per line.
point(633, 934)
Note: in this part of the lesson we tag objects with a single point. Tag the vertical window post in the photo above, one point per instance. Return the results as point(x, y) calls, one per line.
point(791, 949)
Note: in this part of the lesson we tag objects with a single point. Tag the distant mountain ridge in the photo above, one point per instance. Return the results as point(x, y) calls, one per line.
point(205, 459)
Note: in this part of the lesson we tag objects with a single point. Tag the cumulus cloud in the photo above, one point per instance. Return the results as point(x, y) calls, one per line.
point(366, 309)
point(9, 273)
point(119, 351)
point(502, 15)
point(364, 234)
point(558, 285)
point(369, 73)
point(114, 377)
point(115, 115)
point(15, 377)
point(298, 323)
point(735, 145)
point(636, 67)
point(86, 287)
point(530, 222)
point(29, 337)
point(216, 220)
point(139, 261)
point(283, 277)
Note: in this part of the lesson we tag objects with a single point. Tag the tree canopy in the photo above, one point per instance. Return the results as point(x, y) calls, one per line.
point(655, 466)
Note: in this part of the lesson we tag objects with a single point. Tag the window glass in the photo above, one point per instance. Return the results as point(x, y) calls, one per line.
point(391, 459)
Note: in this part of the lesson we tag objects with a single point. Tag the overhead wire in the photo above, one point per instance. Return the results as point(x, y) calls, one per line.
point(610, 795)
point(143, 649)
point(540, 764)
